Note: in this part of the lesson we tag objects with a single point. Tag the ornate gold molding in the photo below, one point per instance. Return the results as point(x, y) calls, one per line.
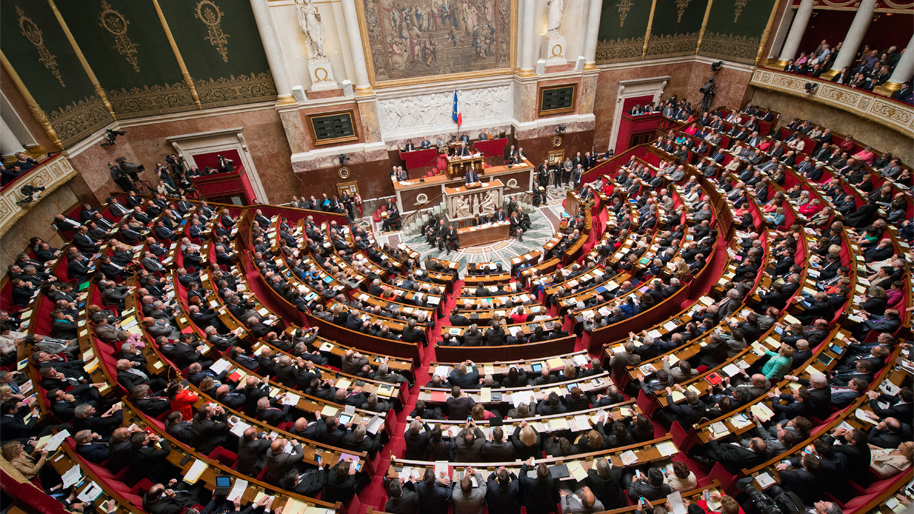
point(619, 50)
point(234, 90)
point(82, 60)
point(115, 23)
point(188, 81)
point(704, 25)
point(647, 34)
point(29, 29)
point(767, 32)
point(211, 16)
point(152, 100)
point(742, 49)
point(30, 101)
point(671, 45)
point(80, 119)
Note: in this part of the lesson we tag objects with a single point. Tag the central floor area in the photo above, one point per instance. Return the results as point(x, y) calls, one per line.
point(544, 222)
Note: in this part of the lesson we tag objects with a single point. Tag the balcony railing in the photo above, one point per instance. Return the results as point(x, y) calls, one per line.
point(50, 175)
point(885, 111)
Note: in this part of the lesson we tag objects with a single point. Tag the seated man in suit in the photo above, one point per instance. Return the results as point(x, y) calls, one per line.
point(425, 143)
point(483, 136)
point(463, 150)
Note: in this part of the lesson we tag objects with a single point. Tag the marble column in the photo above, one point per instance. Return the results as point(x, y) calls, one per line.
point(362, 84)
point(797, 29)
point(593, 34)
point(905, 67)
point(528, 60)
point(261, 9)
point(855, 34)
point(9, 144)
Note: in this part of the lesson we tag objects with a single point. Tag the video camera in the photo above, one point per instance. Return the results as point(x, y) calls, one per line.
point(786, 503)
point(28, 192)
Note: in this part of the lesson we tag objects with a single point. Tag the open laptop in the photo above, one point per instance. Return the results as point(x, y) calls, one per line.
point(223, 486)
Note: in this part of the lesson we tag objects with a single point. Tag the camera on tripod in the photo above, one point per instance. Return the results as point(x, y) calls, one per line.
point(29, 193)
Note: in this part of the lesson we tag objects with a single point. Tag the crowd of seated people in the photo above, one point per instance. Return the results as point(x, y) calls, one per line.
point(870, 67)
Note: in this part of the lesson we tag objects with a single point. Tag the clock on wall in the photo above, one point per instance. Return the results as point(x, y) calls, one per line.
point(557, 141)
point(343, 173)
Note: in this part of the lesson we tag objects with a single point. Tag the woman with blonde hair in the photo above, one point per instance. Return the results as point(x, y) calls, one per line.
point(25, 464)
point(887, 462)
point(592, 441)
point(526, 442)
point(522, 411)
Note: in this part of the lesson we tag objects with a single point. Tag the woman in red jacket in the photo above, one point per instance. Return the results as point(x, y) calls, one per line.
point(182, 400)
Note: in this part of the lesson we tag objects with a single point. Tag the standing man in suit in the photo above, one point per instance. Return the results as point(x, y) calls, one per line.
point(471, 177)
point(459, 404)
point(279, 463)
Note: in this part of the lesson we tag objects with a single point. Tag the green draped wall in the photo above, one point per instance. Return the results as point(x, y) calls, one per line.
point(126, 46)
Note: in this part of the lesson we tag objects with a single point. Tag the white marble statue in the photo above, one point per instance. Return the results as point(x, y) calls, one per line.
point(462, 209)
point(555, 8)
point(487, 205)
point(309, 19)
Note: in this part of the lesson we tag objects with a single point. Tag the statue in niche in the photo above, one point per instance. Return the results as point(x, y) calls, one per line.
point(309, 19)
point(555, 9)
point(463, 206)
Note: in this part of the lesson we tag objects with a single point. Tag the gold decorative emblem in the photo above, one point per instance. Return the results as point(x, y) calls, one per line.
point(739, 9)
point(556, 53)
point(343, 173)
point(321, 71)
point(624, 7)
point(557, 141)
point(34, 35)
point(681, 6)
point(116, 25)
point(210, 15)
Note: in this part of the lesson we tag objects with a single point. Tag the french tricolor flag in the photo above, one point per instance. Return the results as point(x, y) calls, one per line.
point(456, 116)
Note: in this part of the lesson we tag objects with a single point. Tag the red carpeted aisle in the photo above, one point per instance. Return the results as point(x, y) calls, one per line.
point(374, 494)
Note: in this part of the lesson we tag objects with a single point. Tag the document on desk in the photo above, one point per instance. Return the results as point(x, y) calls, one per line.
point(667, 448)
point(193, 474)
point(237, 489)
point(522, 397)
point(71, 476)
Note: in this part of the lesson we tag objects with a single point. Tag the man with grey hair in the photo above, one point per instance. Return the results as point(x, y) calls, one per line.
point(818, 387)
point(358, 440)
point(384, 375)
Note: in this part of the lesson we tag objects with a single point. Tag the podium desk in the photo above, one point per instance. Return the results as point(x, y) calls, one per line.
point(459, 166)
point(484, 234)
point(419, 193)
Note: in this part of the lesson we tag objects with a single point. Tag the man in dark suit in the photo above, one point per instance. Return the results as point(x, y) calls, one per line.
point(735, 457)
point(279, 463)
point(459, 404)
point(416, 438)
point(209, 428)
point(499, 449)
point(462, 150)
point(252, 448)
point(502, 491)
point(471, 177)
point(539, 492)
point(95, 453)
point(899, 406)
point(85, 419)
point(401, 500)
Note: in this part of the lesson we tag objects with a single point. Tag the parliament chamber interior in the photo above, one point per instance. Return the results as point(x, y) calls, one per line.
point(456, 256)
